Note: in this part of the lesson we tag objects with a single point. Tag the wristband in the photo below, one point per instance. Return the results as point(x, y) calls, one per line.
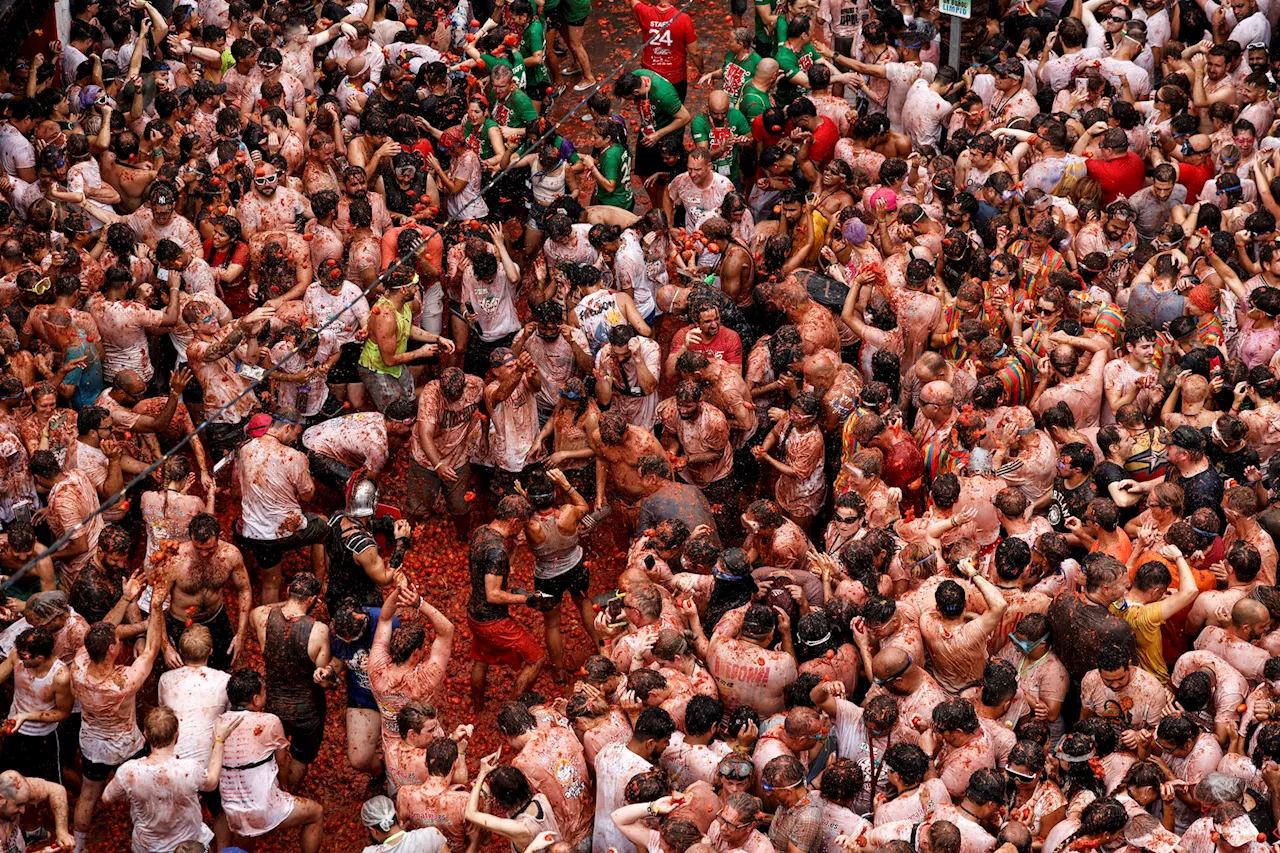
point(397, 556)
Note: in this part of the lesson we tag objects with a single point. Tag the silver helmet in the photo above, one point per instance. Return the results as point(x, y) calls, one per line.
point(363, 500)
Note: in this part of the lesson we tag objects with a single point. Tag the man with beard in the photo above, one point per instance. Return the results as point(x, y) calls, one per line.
point(215, 354)
point(270, 207)
point(355, 185)
point(196, 577)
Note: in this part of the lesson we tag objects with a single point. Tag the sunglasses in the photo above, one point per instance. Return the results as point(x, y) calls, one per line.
point(734, 825)
point(767, 787)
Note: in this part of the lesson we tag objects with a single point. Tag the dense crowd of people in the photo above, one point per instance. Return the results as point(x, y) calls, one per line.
point(935, 415)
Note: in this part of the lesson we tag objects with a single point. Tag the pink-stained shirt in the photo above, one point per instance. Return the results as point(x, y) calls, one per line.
point(252, 798)
point(198, 695)
point(454, 424)
point(164, 802)
point(124, 326)
point(167, 514)
point(554, 763)
point(109, 732)
point(707, 432)
point(973, 838)
point(219, 380)
point(1144, 697)
point(913, 806)
point(614, 766)
point(693, 762)
point(956, 764)
point(957, 652)
point(72, 500)
point(747, 674)
point(272, 479)
point(355, 440)
point(1229, 689)
point(1246, 658)
point(555, 364)
point(277, 213)
point(418, 807)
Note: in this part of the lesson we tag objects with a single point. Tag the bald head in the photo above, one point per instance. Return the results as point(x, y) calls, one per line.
point(356, 65)
point(130, 382)
point(718, 101)
point(766, 69)
point(937, 392)
point(1250, 618)
point(820, 368)
point(890, 663)
point(1201, 143)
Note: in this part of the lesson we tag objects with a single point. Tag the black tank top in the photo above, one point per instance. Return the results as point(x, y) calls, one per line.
point(347, 579)
point(292, 693)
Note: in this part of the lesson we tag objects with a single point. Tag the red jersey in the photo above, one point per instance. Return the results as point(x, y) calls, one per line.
point(665, 48)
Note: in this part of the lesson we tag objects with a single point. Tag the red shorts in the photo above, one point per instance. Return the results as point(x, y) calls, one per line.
point(504, 642)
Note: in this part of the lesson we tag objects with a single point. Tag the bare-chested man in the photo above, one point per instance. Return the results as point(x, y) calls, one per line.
point(198, 572)
point(619, 446)
point(121, 167)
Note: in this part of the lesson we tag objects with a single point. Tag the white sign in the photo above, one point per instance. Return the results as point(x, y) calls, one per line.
point(956, 8)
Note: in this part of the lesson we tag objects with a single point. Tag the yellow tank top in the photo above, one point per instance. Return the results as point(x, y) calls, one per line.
point(371, 355)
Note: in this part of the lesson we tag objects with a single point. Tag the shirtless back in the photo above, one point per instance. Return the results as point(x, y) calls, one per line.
point(130, 181)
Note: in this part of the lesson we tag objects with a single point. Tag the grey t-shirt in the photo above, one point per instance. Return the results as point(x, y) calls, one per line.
point(1153, 214)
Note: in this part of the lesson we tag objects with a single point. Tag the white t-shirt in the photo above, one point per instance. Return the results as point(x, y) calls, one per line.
point(16, 151)
point(164, 805)
point(198, 695)
point(901, 75)
point(425, 840)
point(924, 113)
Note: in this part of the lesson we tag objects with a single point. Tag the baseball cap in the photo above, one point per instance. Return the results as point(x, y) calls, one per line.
point(1188, 438)
point(258, 425)
point(1238, 832)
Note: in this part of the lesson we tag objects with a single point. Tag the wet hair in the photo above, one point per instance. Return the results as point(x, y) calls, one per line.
point(908, 761)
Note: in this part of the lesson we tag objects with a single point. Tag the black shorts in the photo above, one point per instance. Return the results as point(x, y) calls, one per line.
point(537, 91)
point(95, 772)
point(69, 739)
point(269, 552)
point(33, 755)
point(305, 737)
point(212, 801)
point(219, 625)
point(344, 372)
point(576, 582)
point(563, 16)
point(648, 160)
point(843, 46)
point(328, 470)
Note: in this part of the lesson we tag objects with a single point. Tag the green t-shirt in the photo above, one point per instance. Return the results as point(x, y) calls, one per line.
point(576, 10)
point(754, 102)
point(479, 140)
point(661, 106)
point(763, 35)
point(706, 133)
point(515, 62)
point(615, 164)
point(516, 111)
point(534, 41)
point(791, 65)
point(737, 74)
